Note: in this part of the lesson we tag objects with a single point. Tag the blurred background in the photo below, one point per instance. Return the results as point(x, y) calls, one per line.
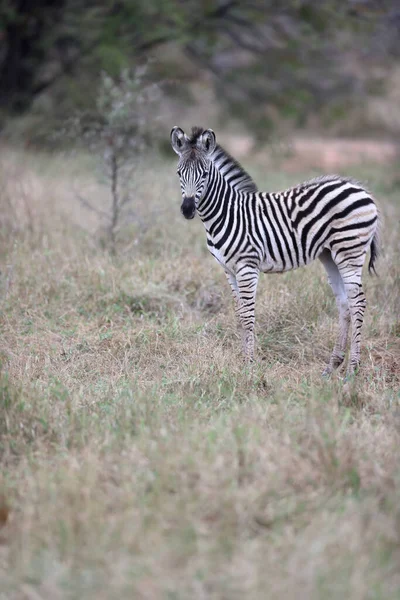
point(260, 69)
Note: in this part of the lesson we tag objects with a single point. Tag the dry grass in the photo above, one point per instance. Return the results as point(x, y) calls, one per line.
point(139, 458)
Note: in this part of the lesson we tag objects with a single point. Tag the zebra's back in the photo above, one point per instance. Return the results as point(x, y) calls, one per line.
point(329, 212)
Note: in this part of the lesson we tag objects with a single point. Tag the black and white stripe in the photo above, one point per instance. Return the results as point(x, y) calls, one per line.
point(331, 218)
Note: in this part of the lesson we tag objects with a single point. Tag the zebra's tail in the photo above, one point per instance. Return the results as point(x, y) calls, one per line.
point(375, 249)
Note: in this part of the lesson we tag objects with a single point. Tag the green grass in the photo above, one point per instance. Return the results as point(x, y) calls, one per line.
point(139, 457)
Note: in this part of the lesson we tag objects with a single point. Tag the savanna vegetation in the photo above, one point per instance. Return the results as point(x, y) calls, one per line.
point(139, 457)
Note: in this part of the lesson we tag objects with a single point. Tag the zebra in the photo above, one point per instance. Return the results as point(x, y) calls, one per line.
point(331, 218)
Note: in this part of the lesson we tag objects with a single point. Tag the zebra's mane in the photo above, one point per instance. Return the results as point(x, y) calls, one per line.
point(196, 133)
point(225, 163)
point(327, 178)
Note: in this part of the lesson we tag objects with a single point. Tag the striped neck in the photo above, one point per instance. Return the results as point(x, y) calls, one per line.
point(232, 171)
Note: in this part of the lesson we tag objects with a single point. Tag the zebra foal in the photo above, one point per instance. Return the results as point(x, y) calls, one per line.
point(331, 218)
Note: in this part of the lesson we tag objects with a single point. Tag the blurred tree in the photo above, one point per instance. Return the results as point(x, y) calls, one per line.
point(117, 130)
point(295, 55)
point(41, 40)
point(23, 29)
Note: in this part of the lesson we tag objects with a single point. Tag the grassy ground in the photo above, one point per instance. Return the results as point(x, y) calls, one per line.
point(138, 457)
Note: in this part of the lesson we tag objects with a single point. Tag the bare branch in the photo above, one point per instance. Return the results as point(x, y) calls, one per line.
point(86, 204)
point(125, 200)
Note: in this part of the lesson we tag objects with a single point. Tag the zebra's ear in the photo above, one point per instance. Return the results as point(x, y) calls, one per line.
point(208, 141)
point(178, 139)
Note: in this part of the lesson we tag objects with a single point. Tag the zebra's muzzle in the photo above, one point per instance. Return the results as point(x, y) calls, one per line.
point(188, 208)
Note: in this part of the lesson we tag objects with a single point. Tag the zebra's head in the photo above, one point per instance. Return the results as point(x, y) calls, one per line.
point(194, 164)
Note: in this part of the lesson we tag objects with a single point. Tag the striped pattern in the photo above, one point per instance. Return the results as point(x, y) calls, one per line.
point(331, 218)
point(231, 171)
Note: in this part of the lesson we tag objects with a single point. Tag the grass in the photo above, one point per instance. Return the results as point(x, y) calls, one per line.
point(139, 458)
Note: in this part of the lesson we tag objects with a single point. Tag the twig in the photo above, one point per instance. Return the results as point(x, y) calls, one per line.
point(115, 201)
point(86, 204)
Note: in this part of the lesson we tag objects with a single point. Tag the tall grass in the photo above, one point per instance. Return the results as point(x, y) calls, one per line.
point(139, 458)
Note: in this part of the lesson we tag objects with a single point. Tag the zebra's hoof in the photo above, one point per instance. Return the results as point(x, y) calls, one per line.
point(248, 362)
point(352, 371)
point(350, 376)
point(327, 372)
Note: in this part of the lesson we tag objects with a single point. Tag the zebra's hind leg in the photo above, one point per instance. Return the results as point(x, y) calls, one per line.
point(247, 280)
point(351, 272)
point(336, 282)
point(236, 300)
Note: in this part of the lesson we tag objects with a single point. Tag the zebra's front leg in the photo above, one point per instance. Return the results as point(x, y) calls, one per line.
point(236, 301)
point(235, 291)
point(247, 280)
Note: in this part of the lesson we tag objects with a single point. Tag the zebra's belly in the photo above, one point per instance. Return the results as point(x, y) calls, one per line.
point(269, 266)
point(266, 266)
